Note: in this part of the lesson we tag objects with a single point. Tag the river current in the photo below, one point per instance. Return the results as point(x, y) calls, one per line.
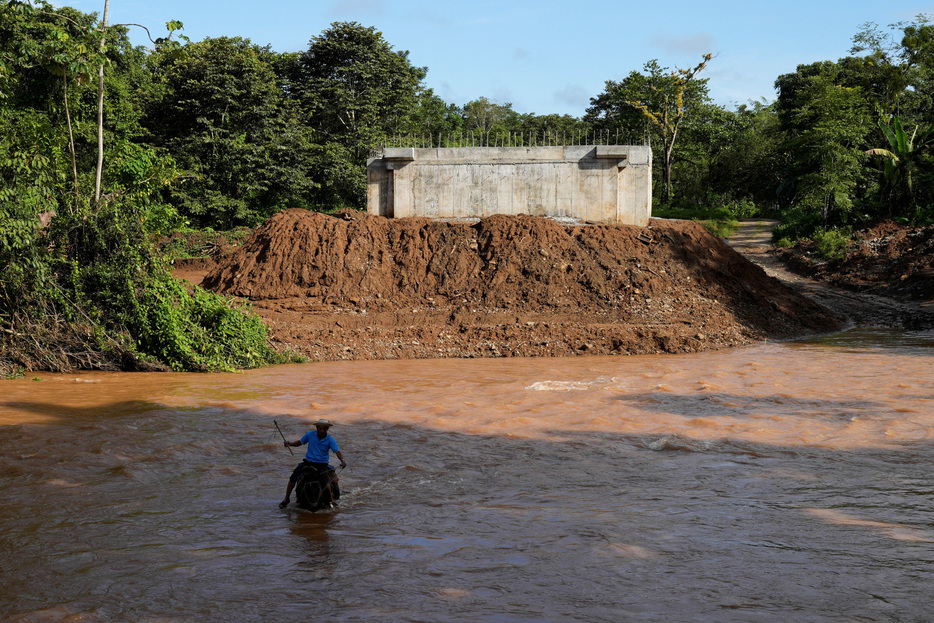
point(781, 482)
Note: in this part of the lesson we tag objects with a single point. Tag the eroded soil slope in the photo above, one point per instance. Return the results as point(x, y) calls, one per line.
point(356, 286)
point(887, 259)
point(882, 281)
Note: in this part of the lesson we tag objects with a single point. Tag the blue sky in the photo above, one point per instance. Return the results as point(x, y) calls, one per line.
point(549, 56)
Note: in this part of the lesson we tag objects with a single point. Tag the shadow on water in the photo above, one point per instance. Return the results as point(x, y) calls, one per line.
point(58, 413)
point(718, 403)
point(449, 526)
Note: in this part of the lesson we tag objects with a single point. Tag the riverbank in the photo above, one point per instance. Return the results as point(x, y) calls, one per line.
point(885, 277)
point(354, 286)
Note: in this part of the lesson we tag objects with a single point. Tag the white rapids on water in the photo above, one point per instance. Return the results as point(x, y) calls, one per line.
point(782, 482)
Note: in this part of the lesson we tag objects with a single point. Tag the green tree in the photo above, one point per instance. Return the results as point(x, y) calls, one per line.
point(48, 56)
point(226, 121)
point(658, 100)
point(701, 142)
point(355, 85)
point(355, 91)
point(896, 67)
point(904, 158)
point(825, 126)
point(743, 149)
point(433, 117)
point(563, 128)
point(30, 173)
point(79, 283)
point(484, 117)
point(610, 111)
point(666, 111)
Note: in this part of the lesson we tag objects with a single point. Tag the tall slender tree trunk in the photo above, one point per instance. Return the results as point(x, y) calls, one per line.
point(668, 180)
point(71, 137)
point(668, 143)
point(100, 109)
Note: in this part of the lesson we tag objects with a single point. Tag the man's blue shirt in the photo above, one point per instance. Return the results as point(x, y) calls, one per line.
point(318, 449)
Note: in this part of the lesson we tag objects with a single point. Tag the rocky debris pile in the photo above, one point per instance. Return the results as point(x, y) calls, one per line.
point(887, 259)
point(354, 286)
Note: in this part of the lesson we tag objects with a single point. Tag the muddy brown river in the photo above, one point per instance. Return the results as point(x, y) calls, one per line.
point(781, 482)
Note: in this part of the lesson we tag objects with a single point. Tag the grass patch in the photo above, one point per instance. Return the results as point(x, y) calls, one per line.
point(719, 221)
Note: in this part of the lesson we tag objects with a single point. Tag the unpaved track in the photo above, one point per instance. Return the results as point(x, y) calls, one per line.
point(753, 239)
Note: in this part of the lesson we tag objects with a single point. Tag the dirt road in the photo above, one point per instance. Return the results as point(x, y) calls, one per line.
point(753, 239)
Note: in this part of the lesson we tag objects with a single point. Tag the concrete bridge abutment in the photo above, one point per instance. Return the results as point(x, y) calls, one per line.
point(609, 184)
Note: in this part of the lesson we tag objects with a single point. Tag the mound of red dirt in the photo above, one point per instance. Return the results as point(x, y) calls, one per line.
point(367, 287)
point(888, 259)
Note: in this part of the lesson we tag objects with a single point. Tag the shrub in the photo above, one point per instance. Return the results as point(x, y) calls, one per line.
point(198, 330)
point(831, 243)
point(106, 301)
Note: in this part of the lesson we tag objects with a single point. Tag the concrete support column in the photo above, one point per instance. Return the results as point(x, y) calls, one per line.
point(640, 201)
point(398, 164)
point(378, 188)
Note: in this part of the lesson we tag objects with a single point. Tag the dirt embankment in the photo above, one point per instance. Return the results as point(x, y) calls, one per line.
point(355, 286)
point(887, 259)
point(884, 279)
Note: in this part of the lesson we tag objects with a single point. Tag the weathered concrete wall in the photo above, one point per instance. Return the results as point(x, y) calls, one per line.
point(595, 183)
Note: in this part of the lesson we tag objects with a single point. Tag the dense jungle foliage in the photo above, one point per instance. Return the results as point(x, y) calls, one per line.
point(80, 204)
point(106, 146)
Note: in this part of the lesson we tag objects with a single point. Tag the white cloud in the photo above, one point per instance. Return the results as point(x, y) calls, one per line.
point(572, 95)
point(690, 44)
point(503, 95)
point(449, 94)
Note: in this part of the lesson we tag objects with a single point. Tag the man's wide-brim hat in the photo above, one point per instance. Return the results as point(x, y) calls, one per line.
point(323, 422)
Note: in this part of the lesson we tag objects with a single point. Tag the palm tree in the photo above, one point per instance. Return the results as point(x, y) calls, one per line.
point(903, 158)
